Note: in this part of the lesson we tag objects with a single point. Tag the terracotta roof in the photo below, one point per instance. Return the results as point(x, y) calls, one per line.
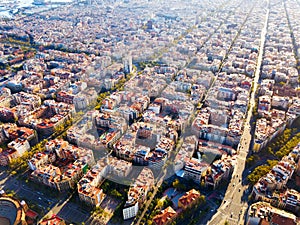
point(264, 222)
point(189, 197)
point(32, 214)
point(281, 220)
point(165, 216)
point(54, 220)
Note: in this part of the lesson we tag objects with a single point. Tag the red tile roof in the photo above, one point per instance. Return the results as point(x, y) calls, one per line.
point(31, 214)
point(165, 216)
point(189, 198)
point(281, 220)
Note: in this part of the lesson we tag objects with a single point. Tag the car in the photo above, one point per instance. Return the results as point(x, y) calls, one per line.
point(233, 184)
point(39, 198)
point(231, 214)
point(239, 189)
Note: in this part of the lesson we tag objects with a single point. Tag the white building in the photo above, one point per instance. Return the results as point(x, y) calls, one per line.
point(130, 211)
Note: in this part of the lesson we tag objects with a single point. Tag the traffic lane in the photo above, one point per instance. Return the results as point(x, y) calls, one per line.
point(218, 217)
point(40, 195)
point(6, 179)
point(26, 195)
point(233, 200)
point(30, 195)
point(208, 216)
point(3, 174)
point(234, 190)
point(238, 198)
point(34, 197)
point(235, 211)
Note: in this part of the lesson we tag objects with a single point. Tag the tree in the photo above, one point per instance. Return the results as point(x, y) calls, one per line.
point(167, 202)
point(272, 163)
point(160, 204)
point(149, 222)
point(176, 184)
point(259, 172)
point(116, 194)
point(202, 199)
point(202, 184)
point(149, 195)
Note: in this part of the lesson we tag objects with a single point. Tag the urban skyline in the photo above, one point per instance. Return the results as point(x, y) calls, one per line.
point(150, 112)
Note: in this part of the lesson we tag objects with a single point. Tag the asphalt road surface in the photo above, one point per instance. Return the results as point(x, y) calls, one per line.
point(235, 204)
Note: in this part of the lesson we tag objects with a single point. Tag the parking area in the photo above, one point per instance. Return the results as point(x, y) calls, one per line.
point(71, 213)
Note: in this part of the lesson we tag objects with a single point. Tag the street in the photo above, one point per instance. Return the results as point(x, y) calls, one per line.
point(235, 202)
point(11, 183)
